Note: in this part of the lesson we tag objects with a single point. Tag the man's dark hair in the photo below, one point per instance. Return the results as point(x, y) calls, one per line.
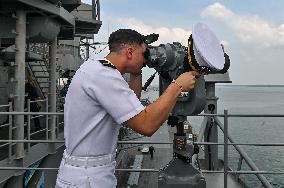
point(121, 37)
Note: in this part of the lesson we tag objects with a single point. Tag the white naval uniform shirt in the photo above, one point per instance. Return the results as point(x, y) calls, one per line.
point(98, 101)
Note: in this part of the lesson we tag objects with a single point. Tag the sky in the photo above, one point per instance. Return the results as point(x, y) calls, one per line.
point(251, 31)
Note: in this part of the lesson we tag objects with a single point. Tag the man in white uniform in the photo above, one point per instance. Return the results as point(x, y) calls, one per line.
point(99, 100)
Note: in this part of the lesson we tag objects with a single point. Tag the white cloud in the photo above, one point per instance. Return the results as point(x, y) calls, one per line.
point(250, 30)
point(166, 35)
point(249, 49)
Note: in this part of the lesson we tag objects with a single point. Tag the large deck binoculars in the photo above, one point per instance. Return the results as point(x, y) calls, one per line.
point(204, 54)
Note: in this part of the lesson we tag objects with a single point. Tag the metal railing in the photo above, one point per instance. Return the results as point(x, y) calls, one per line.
point(8, 124)
point(28, 133)
point(224, 128)
point(29, 118)
point(242, 153)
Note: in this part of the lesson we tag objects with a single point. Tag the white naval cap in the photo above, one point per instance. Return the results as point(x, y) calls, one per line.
point(207, 47)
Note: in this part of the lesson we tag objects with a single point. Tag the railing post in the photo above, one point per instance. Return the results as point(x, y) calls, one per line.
point(29, 123)
point(19, 101)
point(52, 91)
point(225, 148)
point(57, 126)
point(87, 49)
point(46, 120)
point(10, 132)
point(239, 166)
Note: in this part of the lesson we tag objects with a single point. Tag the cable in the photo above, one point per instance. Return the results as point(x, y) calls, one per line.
point(208, 140)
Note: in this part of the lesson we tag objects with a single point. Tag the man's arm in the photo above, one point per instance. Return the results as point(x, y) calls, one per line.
point(155, 114)
point(135, 83)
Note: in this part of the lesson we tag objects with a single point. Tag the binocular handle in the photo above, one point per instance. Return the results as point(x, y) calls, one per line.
point(149, 81)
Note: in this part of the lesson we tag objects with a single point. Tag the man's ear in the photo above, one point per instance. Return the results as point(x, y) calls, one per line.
point(129, 52)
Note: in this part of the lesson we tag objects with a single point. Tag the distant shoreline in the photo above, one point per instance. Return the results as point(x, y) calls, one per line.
point(230, 85)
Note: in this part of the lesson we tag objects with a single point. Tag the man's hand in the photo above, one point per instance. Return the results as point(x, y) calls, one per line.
point(187, 80)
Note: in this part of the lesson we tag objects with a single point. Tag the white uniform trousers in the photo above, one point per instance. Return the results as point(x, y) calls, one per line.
point(73, 176)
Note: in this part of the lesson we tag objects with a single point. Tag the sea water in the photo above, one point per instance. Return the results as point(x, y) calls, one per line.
point(255, 100)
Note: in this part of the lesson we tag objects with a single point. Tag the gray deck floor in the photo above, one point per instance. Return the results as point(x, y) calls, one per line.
point(162, 156)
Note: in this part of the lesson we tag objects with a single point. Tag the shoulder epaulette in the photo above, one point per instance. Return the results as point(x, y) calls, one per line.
point(107, 64)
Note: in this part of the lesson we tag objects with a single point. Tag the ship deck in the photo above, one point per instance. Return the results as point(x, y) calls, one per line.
point(162, 156)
